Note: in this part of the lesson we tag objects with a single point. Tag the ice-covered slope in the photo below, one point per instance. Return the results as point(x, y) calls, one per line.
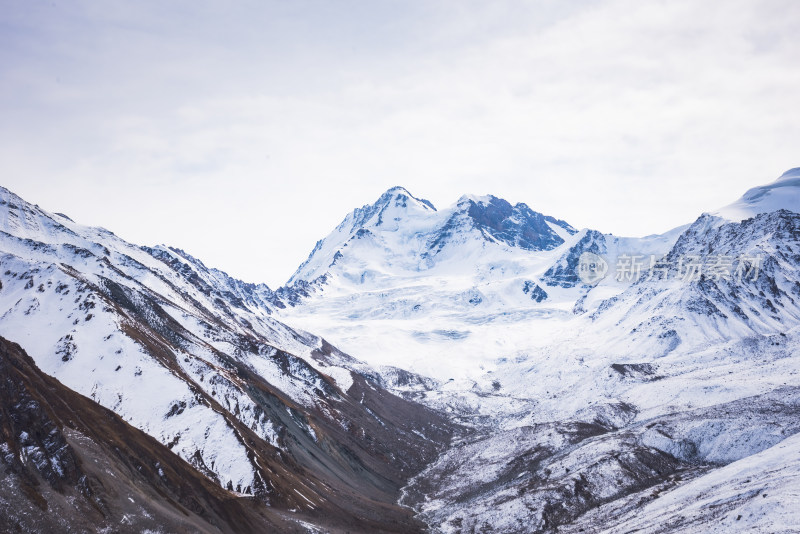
point(756, 494)
point(194, 359)
point(746, 284)
point(443, 293)
point(783, 193)
point(396, 217)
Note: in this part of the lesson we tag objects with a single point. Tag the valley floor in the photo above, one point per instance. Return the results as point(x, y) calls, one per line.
point(564, 437)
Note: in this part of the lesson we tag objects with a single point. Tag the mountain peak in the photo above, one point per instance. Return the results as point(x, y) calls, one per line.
point(783, 193)
point(398, 189)
point(402, 194)
point(394, 205)
point(401, 232)
point(515, 225)
point(477, 199)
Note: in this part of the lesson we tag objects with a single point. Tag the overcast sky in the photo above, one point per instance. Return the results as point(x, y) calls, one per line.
point(245, 131)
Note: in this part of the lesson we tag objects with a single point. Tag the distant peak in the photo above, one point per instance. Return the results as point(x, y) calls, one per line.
point(791, 173)
point(183, 254)
point(783, 193)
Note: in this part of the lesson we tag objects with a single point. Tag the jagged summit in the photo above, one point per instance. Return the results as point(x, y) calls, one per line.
point(391, 207)
point(403, 233)
point(400, 194)
point(468, 198)
point(516, 225)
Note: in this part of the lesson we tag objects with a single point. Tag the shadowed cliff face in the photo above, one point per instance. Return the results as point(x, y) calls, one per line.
point(516, 226)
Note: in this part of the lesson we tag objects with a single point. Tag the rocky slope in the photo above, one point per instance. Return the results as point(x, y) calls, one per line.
point(67, 463)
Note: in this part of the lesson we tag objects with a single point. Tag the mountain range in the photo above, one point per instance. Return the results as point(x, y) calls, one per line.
point(445, 370)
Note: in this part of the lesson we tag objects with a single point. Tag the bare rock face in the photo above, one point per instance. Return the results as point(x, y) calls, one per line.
point(67, 463)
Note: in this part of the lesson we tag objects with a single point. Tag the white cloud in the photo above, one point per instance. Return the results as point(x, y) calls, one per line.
point(245, 133)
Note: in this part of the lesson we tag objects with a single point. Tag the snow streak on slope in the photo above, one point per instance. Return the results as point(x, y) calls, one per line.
point(86, 351)
point(67, 464)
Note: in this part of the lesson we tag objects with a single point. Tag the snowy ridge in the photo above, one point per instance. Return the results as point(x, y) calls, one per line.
point(783, 193)
point(96, 472)
point(711, 310)
point(408, 294)
point(195, 359)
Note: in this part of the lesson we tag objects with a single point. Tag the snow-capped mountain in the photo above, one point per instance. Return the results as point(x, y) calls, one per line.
point(194, 359)
point(590, 382)
point(783, 193)
point(92, 472)
point(746, 284)
point(406, 284)
point(588, 400)
point(400, 233)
